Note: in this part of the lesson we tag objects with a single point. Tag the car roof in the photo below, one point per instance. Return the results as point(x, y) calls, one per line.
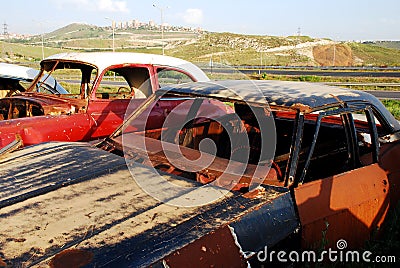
point(289, 94)
point(103, 60)
point(303, 96)
point(22, 73)
point(17, 72)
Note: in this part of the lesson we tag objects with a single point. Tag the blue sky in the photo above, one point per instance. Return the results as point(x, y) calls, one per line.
point(338, 20)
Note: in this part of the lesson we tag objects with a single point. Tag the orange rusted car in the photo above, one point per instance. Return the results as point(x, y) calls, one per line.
point(235, 167)
point(337, 150)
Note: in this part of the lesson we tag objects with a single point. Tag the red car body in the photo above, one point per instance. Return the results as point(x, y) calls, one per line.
point(107, 84)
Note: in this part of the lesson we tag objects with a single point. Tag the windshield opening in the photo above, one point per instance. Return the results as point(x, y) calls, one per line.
point(68, 79)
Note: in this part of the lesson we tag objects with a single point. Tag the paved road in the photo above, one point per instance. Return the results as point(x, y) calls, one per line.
point(349, 73)
point(385, 94)
point(380, 94)
point(335, 73)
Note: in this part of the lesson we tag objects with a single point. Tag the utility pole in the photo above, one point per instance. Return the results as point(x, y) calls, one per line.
point(211, 64)
point(298, 36)
point(297, 42)
point(113, 32)
point(5, 35)
point(161, 9)
point(41, 35)
point(334, 54)
point(42, 46)
point(5, 30)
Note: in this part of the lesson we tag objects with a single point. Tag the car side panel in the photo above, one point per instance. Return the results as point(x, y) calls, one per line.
point(333, 208)
point(39, 129)
point(107, 115)
point(389, 161)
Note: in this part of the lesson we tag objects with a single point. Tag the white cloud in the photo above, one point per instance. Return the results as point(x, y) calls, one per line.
point(62, 3)
point(93, 5)
point(193, 16)
point(388, 21)
point(113, 6)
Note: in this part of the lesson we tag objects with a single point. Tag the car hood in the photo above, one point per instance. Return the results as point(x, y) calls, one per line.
point(63, 198)
point(51, 104)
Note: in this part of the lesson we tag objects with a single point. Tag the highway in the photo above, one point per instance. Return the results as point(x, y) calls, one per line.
point(380, 94)
point(385, 94)
point(301, 72)
point(334, 73)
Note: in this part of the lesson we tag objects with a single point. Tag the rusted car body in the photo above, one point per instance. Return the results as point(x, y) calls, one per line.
point(323, 170)
point(336, 150)
point(85, 208)
point(101, 86)
point(15, 79)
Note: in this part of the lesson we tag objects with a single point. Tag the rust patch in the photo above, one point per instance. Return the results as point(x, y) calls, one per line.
point(389, 160)
point(217, 249)
point(71, 258)
point(11, 147)
point(256, 193)
point(301, 107)
point(336, 206)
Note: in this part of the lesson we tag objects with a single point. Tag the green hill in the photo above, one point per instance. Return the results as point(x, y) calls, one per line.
point(15, 52)
point(202, 47)
point(374, 55)
point(91, 38)
point(75, 30)
point(236, 49)
point(385, 44)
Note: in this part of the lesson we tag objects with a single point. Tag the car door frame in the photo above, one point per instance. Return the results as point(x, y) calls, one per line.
point(109, 114)
point(325, 204)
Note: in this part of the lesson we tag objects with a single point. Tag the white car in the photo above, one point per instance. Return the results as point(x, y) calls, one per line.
point(13, 77)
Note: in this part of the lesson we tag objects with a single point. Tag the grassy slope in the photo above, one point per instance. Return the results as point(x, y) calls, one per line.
point(20, 52)
point(225, 48)
point(386, 44)
point(375, 55)
point(72, 31)
point(235, 49)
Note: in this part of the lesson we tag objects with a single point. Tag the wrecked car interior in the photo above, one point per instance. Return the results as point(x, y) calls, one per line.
point(235, 118)
point(294, 146)
point(126, 82)
point(207, 171)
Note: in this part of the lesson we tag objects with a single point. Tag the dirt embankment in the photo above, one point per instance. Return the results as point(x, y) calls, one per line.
point(333, 55)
